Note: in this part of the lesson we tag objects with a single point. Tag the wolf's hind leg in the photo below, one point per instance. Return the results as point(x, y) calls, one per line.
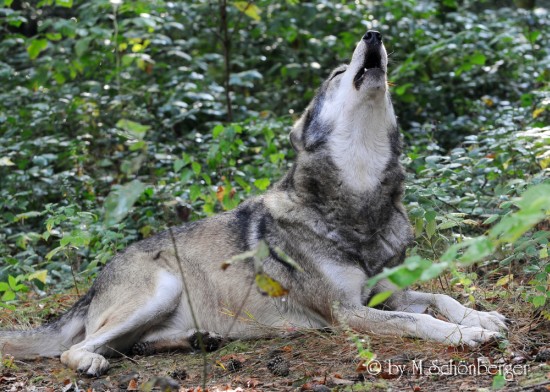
point(174, 340)
point(116, 328)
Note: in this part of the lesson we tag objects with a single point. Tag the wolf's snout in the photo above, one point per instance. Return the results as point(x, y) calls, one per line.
point(372, 37)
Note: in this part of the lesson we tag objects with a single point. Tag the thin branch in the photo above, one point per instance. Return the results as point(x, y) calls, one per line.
point(192, 310)
point(241, 15)
point(226, 45)
point(123, 355)
point(236, 317)
point(117, 53)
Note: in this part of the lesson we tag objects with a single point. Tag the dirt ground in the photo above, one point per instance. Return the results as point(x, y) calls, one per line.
point(305, 361)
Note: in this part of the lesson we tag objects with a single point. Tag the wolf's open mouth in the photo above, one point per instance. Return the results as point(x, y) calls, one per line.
point(373, 60)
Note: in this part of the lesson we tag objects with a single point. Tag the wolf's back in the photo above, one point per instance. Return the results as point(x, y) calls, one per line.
point(49, 340)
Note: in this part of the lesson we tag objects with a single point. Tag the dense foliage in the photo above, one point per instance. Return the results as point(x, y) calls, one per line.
point(118, 119)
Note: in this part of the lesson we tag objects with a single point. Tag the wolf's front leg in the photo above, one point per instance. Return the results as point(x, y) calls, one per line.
point(417, 302)
point(414, 325)
point(454, 311)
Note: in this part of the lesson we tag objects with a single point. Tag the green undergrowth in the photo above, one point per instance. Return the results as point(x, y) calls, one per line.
point(120, 120)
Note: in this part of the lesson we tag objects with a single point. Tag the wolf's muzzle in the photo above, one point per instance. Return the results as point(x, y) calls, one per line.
point(372, 60)
point(372, 37)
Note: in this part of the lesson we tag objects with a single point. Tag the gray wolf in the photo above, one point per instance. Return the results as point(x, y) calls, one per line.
point(337, 213)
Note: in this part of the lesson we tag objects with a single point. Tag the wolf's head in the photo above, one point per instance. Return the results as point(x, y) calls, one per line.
point(351, 118)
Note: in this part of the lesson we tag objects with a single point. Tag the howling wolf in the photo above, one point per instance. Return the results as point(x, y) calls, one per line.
point(337, 214)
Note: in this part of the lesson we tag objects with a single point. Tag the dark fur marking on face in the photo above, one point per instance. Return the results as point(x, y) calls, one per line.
point(314, 134)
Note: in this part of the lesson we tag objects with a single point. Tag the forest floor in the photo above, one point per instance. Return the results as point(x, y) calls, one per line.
point(305, 361)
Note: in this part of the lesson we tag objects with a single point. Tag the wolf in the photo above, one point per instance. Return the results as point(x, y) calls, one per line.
point(337, 213)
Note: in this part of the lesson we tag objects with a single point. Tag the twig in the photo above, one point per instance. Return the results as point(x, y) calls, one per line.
point(236, 317)
point(117, 53)
point(226, 44)
point(123, 355)
point(192, 310)
point(533, 387)
point(74, 280)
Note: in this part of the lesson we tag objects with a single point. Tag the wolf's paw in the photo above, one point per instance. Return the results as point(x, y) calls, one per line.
point(472, 336)
point(85, 362)
point(210, 341)
point(492, 321)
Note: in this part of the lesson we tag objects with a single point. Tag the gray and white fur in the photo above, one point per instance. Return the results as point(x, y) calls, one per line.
point(337, 213)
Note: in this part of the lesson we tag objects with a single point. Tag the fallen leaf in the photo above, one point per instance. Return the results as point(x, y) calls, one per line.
point(220, 193)
point(253, 383)
point(132, 385)
point(361, 368)
point(270, 286)
point(339, 381)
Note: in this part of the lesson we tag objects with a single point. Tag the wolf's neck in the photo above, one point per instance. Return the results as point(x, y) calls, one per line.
point(361, 148)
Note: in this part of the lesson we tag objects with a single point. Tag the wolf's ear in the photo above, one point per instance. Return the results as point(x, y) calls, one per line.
point(296, 134)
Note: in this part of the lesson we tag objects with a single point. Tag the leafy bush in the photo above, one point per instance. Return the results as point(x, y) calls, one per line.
point(118, 120)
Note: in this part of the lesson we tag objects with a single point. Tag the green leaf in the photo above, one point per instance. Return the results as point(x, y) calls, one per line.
point(53, 36)
point(196, 168)
point(250, 10)
point(431, 228)
point(194, 192)
point(533, 35)
point(216, 132)
point(36, 47)
point(137, 130)
point(433, 271)
point(262, 251)
point(499, 381)
point(262, 183)
point(82, 45)
point(120, 201)
point(8, 296)
point(539, 301)
point(53, 252)
point(478, 249)
point(491, 219)
point(403, 88)
point(448, 225)
point(178, 165)
point(8, 3)
point(504, 280)
point(76, 238)
point(64, 3)
point(378, 298)
point(40, 275)
point(4, 286)
point(404, 277)
point(27, 215)
point(477, 58)
point(430, 215)
point(287, 259)
point(12, 282)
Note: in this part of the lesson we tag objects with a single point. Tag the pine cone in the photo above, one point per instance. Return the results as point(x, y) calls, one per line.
point(278, 366)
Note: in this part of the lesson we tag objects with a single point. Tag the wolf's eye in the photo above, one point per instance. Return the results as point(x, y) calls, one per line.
point(337, 73)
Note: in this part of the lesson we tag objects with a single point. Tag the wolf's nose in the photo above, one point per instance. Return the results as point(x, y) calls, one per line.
point(372, 37)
